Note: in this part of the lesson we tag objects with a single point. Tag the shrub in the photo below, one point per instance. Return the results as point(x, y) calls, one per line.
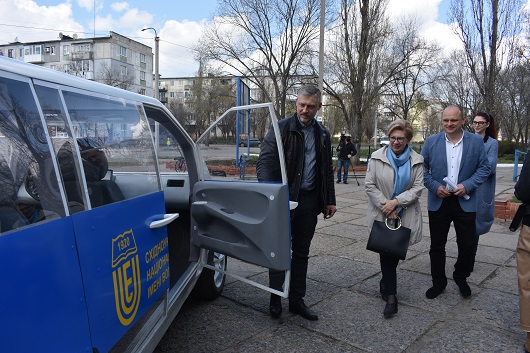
point(507, 147)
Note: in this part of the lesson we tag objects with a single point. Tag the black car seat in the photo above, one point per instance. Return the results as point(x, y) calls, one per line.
point(10, 216)
point(95, 165)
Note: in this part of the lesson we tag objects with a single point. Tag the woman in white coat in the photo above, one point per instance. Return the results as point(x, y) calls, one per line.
point(394, 182)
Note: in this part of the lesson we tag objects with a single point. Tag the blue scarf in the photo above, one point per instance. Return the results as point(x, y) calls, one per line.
point(401, 167)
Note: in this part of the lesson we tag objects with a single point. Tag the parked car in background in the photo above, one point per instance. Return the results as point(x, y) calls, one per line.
point(385, 141)
point(103, 233)
point(253, 142)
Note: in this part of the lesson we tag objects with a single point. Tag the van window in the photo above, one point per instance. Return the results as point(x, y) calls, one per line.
point(29, 185)
point(115, 146)
point(58, 130)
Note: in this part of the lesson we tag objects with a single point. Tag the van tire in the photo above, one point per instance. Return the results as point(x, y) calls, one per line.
point(211, 283)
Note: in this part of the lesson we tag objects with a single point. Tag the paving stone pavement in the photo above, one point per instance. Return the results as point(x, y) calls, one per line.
point(343, 289)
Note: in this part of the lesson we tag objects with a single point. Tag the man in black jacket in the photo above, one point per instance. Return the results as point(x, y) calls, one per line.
point(308, 160)
point(346, 151)
point(522, 191)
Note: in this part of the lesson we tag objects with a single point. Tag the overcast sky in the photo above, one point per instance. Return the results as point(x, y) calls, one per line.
point(178, 23)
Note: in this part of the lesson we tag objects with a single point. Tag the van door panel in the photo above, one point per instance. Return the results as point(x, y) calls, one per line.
point(251, 224)
point(42, 291)
point(232, 213)
point(125, 264)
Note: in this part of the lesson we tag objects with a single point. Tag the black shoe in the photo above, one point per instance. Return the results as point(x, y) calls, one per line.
point(391, 307)
point(382, 291)
point(275, 306)
point(434, 291)
point(338, 181)
point(464, 288)
point(345, 182)
point(301, 309)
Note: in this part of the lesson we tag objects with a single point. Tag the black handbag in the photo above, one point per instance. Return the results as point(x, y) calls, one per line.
point(389, 240)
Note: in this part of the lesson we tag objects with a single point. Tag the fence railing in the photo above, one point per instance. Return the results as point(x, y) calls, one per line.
point(516, 163)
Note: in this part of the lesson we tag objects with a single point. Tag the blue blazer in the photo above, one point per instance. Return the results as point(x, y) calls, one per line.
point(474, 168)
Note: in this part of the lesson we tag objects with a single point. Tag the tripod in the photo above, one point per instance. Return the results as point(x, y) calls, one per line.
point(355, 175)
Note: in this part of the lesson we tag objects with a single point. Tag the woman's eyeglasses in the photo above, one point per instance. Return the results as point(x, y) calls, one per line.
point(480, 123)
point(398, 139)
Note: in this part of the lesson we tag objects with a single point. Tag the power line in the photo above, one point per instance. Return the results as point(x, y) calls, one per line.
point(46, 29)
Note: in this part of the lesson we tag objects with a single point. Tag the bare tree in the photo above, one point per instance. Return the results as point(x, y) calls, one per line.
point(264, 38)
point(362, 64)
point(114, 77)
point(517, 92)
point(212, 94)
point(419, 70)
point(487, 29)
point(353, 61)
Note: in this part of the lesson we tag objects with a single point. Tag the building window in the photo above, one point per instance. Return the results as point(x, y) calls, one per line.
point(142, 58)
point(53, 67)
point(143, 91)
point(36, 50)
point(47, 49)
point(66, 50)
point(85, 65)
point(172, 94)
point(82, 48)
point(123, 51)
point(21, 52)
point(142, 75)
point(66, 68)
point(10, 53)
point(123, 70)
point(52, 50)
point(27, 51)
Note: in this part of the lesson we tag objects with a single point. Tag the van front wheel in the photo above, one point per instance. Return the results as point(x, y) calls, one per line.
point(211, 283)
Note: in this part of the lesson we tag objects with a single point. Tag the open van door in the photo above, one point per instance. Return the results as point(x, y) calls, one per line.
point(232, 213)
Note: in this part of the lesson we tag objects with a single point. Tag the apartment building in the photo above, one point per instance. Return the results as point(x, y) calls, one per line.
point(178, 89)
point(114, 60)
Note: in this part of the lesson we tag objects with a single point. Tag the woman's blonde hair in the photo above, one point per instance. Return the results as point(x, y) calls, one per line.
point(403, 125)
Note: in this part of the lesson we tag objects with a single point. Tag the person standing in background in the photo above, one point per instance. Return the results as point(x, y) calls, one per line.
point(484, 125)
point(455, 165)
point(308, 161)
point(346, 151)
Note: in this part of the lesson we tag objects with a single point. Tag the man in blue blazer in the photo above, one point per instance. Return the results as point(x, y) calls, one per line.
point(460, 157)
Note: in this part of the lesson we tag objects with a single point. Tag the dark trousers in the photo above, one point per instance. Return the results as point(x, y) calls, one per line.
point(302, 230)
point(388, 270)
point(439, 223)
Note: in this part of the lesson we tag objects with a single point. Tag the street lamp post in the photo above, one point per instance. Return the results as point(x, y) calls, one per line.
point(157, 40)
point(157, 89)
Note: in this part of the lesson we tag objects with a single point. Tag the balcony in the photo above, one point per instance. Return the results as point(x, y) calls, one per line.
point(88, 55)
point(34, 58)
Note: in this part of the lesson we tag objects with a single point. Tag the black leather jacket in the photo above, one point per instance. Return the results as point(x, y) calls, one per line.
point(268, 165)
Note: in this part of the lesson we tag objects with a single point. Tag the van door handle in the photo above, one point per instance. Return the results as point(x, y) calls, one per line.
point(168, 218)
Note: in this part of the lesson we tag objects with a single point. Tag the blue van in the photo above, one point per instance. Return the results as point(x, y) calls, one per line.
point(102, 236)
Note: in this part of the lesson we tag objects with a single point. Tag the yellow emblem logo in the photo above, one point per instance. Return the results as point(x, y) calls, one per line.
point(126, 276)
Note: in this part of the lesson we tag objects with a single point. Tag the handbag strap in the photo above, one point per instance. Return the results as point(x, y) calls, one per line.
point(392, 221)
